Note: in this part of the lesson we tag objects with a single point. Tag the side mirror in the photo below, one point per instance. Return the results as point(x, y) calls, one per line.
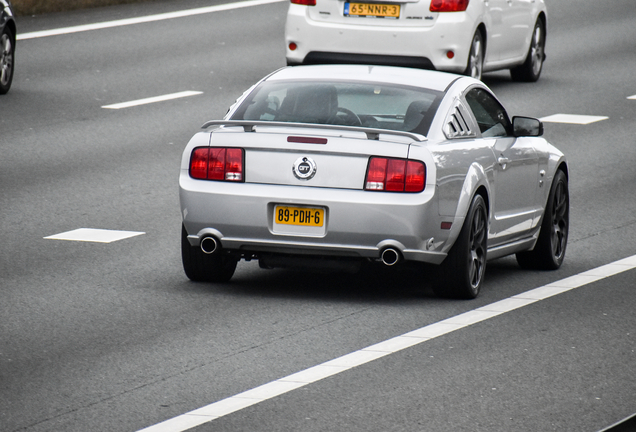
point(526, 126)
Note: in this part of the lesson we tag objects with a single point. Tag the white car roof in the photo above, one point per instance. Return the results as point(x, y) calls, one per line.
point(433, 80)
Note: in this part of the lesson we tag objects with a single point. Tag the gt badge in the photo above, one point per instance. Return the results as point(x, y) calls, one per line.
point(304, 168)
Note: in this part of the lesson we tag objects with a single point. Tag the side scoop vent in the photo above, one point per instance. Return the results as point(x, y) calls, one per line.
point(456, 125)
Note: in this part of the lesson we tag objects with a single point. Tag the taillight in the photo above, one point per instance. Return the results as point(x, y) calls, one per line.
point(304, 2)
point(217, 163)
point(448, 5)
point(415, 176)
point(395, 175)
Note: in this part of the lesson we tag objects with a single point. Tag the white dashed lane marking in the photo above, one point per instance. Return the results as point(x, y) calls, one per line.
point(632, 97)
point(572, 118)
point(154, 99)
point(94, 235)
point(333, 367)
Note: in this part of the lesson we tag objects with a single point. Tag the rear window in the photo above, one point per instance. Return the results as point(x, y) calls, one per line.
point(370, 105)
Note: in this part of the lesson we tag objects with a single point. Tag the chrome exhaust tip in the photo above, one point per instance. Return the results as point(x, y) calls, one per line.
point(209, 245)
point(390, 256)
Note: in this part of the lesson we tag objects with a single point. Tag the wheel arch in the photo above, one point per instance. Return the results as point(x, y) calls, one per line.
point(475, 183)
point(544, 19)
point(563, 166)
point(554, 166)
point(10, 24)
point(481, 190)
point(555, 161)
point(481, 28)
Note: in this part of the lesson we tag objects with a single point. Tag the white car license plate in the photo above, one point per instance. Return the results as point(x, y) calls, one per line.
point(372, 9)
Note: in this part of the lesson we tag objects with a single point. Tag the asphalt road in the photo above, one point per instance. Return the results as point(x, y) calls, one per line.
point(113, 337)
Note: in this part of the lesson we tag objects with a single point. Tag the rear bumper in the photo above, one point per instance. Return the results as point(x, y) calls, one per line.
point(424, 47)
point(358, 224)
point(317, 57)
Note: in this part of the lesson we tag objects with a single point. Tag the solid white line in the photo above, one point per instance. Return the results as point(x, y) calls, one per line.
point(152, 100)
point(144, 19)
point(333, 367)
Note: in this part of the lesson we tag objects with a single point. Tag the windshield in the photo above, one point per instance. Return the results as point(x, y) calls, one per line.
point(370, 105)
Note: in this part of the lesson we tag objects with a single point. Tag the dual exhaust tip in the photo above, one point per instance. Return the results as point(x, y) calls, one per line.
point(389, 256)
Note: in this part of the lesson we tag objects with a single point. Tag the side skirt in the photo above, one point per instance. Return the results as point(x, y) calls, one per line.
point(512, 248)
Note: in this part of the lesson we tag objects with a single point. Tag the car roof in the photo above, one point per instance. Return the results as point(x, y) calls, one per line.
point(433, 80)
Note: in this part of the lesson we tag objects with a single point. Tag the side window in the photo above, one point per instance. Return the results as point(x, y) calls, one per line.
point(491, 116)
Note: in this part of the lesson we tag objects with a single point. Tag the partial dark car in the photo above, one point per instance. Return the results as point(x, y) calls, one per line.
point(7, 45)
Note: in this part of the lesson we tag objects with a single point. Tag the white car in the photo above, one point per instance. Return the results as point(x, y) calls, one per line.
point(461, 36)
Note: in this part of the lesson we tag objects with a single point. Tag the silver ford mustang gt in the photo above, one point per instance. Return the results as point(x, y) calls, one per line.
point(334, 166)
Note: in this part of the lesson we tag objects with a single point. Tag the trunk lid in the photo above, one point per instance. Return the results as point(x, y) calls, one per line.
point(309, 157)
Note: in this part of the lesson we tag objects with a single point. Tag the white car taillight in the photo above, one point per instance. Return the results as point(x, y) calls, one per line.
point(304, 2)
point(449, 5)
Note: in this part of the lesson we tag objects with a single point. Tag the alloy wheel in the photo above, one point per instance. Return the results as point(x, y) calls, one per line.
point(537, 50)
point(477, 251)
point(6, 59)
point(559, 215)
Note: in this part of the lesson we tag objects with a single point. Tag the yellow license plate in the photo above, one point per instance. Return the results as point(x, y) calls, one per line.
point(372, 9)
point(302, 216)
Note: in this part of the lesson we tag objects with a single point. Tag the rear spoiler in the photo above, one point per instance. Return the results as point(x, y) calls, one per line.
point(372, 133)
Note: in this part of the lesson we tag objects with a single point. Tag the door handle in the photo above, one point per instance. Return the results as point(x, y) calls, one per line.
point(503, 161)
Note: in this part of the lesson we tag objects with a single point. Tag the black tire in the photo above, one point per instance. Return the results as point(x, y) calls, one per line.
point(7, 59)
point(475, 64)
point(461, 274)
point(549, 252)
point(530, 70)
point(201, 267)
